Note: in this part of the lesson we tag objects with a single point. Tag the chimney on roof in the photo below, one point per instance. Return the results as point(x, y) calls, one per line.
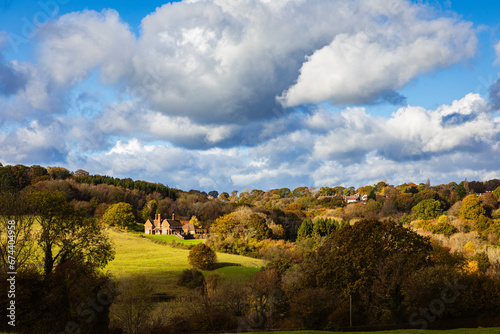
point(173, 216)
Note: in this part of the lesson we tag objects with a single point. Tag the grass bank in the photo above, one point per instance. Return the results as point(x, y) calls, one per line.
point(161, 264)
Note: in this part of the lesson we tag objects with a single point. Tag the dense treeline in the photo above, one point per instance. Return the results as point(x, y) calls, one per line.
point(19, 177)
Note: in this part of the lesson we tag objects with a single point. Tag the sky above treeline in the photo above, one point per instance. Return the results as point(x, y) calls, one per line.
point(230, 95)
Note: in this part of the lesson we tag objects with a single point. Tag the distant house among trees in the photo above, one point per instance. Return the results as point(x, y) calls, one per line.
point(167, 226)
point(355, 198)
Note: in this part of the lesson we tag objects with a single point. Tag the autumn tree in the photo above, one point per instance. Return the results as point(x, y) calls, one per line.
point(196, 223)
point(224, 224)
point(352, 260)
point(64, 236)
point(119, 214)
point(496, 193)
point(404, 202)
point(58, 173)
point(259, 227)
point(472, 207)
point(202, 257)
point(14, 217)
point(427, 209)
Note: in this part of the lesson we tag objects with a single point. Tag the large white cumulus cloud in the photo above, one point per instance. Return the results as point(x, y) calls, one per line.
point(220, 61)
point(79, 42)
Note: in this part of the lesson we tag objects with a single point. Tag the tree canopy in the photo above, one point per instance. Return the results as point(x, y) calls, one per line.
point(64, 235)
point(119, 214)
point(472, 207)
point(202, 257)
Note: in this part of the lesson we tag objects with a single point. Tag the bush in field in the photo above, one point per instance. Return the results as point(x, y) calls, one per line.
point(202, 257)
point(191, 278)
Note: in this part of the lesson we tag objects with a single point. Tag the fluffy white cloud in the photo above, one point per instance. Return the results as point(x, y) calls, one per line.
point(376, 58)
point(77, 43)
point(130, 118)
point(214, 61)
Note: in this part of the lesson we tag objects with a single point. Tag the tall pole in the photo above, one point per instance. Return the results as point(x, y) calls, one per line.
point(350, 310)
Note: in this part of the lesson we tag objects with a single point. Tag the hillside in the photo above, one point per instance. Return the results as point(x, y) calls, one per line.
point(160, 264)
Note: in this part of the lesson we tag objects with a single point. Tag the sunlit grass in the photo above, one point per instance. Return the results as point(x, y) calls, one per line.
point(161, 264)
point(170, 238)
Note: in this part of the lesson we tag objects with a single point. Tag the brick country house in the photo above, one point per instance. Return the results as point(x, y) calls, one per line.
point(165, 226)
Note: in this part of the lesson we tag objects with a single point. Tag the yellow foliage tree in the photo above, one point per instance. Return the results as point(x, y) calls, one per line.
point(224, 224)
point(195, 222)
point(472, 207)
point(471, 267)
point(469, 248)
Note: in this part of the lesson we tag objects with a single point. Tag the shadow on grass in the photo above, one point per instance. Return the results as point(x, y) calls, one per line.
point(219, 265)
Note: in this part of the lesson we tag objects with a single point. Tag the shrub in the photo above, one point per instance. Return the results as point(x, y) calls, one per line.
point(444, 227)
point(482, 260)
point(191, 278)
point(202, 257)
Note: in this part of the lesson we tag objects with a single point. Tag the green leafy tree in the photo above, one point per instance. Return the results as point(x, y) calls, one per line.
point(191, 278)
point(368, 260)
point(119, 214)
point(404, 202)
point(224, 195)
point(496, 193)
point(323, 227)
point(427, 209)
point(472, 207)
point(202, 257)
point(372, 194)
point(64, 236)
point(461, 191)
point(306, 229)
point(149, 209)
point(444, 227)
point(14, 219)
point(320, 228)
point(259, 226)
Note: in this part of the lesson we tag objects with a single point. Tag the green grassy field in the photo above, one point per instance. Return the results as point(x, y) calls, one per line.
point(170, 238)
point(161, 264)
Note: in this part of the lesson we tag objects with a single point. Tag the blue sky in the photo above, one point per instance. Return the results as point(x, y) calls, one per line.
point(231, 95)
